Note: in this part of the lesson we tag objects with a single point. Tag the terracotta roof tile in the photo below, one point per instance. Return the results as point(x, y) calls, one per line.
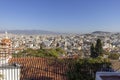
point(40, 68)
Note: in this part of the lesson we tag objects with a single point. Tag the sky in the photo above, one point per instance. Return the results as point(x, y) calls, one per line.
point(75, 16)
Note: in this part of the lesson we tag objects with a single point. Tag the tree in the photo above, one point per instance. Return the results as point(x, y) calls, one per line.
point(85, 69)
point(92, 51)
point(53, 52)
point(98, 48)
point(114, 56)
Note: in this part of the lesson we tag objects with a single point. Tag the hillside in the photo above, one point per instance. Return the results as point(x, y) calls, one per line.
point(100, 32)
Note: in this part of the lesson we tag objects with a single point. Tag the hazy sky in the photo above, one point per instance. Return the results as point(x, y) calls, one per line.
point(60, 15)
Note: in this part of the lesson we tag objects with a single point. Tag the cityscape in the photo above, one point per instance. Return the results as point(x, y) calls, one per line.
point(17, 49)
point(59, 40)
point(72, 44)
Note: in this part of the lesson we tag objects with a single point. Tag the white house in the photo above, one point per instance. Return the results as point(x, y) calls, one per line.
point(10, 72)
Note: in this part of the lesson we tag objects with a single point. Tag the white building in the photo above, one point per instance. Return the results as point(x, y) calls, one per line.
point(7, 71)
point(10, 72)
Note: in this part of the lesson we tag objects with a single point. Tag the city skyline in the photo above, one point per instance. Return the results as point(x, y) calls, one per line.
point(60, 15)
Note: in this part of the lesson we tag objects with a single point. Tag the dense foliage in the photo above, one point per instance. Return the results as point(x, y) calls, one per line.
point(92, 51)
point(85, 69)
point(98, 47)
point(114, 56)
point(96, 50)
point(40, 53)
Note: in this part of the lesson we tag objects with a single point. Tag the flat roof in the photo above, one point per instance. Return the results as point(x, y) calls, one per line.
point(10, 66)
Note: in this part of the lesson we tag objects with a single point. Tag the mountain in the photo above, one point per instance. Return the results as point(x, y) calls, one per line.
point(30, 32)
point(101, 32)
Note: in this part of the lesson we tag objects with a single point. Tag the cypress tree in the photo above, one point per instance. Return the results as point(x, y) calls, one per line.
point(92, 51)
point(98, 48)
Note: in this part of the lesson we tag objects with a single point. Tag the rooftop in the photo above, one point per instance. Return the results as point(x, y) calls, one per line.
point(10, 66)
point(40, 68)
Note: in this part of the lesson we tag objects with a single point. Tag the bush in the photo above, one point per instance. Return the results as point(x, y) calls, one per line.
point(85, 69)
point(40, 53)
point(114, 56)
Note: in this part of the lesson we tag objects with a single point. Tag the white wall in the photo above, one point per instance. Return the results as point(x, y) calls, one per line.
point(10, 73)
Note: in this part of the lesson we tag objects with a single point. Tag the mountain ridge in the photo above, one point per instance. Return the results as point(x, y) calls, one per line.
point(30, 32)
point(99, 32)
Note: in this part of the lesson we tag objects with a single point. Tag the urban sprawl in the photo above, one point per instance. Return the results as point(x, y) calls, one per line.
point(73, 44)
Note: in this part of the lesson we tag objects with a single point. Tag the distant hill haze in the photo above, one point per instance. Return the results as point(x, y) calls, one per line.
point(32, 32)
point(99, 32)
point(29, 32)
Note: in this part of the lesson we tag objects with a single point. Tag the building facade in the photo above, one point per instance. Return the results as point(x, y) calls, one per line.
point(7, 71)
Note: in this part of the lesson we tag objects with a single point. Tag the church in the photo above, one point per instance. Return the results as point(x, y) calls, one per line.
point(5, 49)
point(7, 71)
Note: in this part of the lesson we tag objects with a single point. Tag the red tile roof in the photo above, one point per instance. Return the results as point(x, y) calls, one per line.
point(34, 68)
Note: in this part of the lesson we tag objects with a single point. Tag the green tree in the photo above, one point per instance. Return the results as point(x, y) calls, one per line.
point(53, 52)
point(92, 51)
point(98, 48)
point(85, 69)
point(114, 56)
